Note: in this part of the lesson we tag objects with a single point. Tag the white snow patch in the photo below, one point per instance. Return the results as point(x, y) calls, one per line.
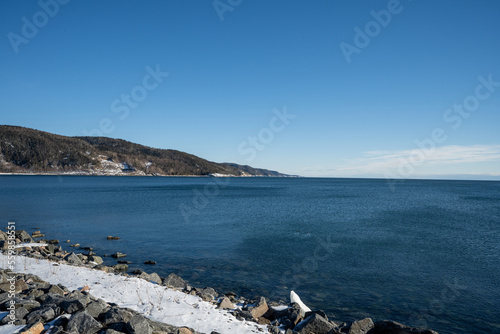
point(32, 244)
point(154, 301)
point(294, 298)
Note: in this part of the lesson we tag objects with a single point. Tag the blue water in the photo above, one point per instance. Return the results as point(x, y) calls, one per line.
point(426, 253)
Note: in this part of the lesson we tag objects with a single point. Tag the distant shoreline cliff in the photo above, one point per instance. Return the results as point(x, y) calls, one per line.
point(29, 151)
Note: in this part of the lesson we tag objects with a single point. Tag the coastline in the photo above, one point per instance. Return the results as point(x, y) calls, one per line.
point(40, 257)
point(147, 175)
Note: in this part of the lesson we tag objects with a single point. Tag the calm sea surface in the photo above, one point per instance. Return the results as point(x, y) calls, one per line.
point(426, 253)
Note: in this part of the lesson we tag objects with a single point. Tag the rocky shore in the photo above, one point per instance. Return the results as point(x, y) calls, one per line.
point(43, 307)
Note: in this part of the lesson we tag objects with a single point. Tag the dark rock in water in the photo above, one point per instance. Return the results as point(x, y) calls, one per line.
point(124, 262)
point(174, 281)
point(53, 242)
point(73, 259)
point(112, 238)
point(361, 326)
point(139, 325)
point(392, 327)
point(314, 324)
point(118, 255)
point(150, 262)
point(120, 267)
point(90, 253)
point(37, 234)
point(82, 322)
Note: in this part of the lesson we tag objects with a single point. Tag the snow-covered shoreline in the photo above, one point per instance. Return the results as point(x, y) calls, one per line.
point(157, 302)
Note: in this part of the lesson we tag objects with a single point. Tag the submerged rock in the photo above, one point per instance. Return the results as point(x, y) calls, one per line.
point(118, 255)
point(392, 327)
point(120, 267)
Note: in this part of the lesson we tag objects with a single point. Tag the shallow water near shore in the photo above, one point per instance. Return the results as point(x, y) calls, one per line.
point(426, 253)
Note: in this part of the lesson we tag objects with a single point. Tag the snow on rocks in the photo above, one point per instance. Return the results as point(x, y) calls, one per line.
point(152, 300)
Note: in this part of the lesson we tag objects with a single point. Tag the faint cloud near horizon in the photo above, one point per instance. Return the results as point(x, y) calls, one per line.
point(445, 160)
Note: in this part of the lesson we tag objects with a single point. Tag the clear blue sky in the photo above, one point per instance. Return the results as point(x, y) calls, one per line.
point(228, 78)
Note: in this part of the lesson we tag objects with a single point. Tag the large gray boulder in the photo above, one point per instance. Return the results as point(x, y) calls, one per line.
point(174, 281)
point(72, 258)
point(72, 306)
point(361, 326)
point(139, 325)
point(44, 314)
point(154, 277)
point(23, 236)
point(115, 314)
point(96, 259)
point(314, 324)
point(82, 322)
point(97, 307)
point(259, 309)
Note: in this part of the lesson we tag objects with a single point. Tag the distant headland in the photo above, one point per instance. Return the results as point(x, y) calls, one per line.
point(29, 151)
